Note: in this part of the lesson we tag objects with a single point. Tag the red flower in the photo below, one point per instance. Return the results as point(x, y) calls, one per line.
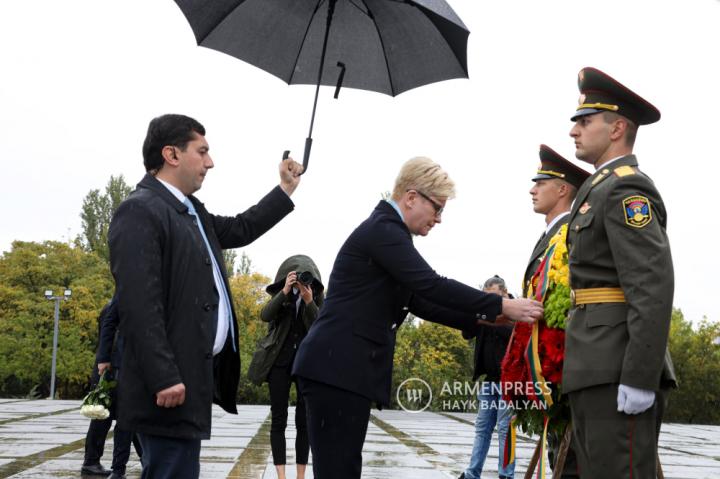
point(514, 369)
point(551, 344)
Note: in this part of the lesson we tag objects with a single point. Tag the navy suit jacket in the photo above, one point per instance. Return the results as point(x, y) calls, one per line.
point(110, 341)
point(378, 277)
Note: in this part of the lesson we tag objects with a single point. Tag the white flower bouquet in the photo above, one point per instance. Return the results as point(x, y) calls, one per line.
point(96, 405)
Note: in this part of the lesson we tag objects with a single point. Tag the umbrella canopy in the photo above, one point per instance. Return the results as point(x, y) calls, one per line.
point(387, 46)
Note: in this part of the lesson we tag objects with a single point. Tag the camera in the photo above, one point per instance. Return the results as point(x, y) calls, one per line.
point(305, 278)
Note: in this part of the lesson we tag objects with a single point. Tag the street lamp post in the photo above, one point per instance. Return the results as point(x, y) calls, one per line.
point(57, 299)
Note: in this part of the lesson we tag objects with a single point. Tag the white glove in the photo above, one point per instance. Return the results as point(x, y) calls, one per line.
point(632, 400)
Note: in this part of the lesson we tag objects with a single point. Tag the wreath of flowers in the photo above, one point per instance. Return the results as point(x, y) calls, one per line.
point(550, 346)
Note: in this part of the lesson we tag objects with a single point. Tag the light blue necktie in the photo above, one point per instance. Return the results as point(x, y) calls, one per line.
point(223, 292)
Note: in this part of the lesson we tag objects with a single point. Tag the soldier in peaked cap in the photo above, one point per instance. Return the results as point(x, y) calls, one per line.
point(617, 369)
point(556, 184)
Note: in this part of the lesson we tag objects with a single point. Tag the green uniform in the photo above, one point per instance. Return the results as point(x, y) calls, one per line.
point(554, 166)
point(570, 466)
point(617, 239)
point(538, 252)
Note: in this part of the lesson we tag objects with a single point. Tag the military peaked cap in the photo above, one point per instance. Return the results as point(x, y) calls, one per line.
point(600, 92)
point(553, 166)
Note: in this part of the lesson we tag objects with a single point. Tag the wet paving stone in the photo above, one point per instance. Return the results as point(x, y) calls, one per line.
point(44, 439)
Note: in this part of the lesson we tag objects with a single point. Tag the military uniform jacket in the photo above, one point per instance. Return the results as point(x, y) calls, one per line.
point(617, 238)
point(539, 251)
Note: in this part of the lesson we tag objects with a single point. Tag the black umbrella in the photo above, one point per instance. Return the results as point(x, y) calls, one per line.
point(388, 46)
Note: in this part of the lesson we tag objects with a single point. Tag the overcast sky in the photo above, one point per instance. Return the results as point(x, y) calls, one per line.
point(80, 79)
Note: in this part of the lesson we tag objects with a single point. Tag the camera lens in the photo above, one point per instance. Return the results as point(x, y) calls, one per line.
point(305, 278)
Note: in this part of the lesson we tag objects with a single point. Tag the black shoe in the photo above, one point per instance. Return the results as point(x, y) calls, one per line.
point(117, 475)
point(95, 470)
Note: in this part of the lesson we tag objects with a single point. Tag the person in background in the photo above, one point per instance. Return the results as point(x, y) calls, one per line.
point(490, 344)
point(297, 295)
point(108, 360)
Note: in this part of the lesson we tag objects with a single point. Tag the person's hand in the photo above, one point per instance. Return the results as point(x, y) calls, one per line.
point(290, 172)
point(632, 400)
point(171, 397)
point(102, 367)
point(290, 281)
point(522, 309)
point(305, 292)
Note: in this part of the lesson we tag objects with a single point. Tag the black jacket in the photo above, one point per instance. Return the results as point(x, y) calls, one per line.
point(167, 303)
point(490, 345)
point(378, 277)
point(110, 341)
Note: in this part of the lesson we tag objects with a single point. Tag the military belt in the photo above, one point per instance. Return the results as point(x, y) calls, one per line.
point(597, 295)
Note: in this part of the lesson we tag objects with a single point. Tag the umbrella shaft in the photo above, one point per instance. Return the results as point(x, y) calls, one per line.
point(331, 11)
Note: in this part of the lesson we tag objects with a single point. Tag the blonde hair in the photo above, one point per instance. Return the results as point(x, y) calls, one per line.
point(423, 174)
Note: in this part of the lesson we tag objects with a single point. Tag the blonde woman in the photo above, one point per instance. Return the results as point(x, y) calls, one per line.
point(344, 364)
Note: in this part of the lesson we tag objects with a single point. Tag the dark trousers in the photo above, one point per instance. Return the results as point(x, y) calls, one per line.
point(95, 444)
point(609, 443)
point(279, 381)
point(170, 457)
point(337, 424)
point(98, 431)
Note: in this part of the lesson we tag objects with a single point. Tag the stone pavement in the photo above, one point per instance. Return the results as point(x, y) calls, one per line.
point(44, 439)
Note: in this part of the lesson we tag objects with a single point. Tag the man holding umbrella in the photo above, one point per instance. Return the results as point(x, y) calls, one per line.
point(181, 334)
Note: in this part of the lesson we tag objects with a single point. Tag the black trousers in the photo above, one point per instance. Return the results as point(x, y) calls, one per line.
point(95, 444)
point(170, 457)
point(98, 431)
point(279, 381)
point(337, 424)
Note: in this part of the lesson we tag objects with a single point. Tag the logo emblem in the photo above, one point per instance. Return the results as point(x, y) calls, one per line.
point(581, 100)
point(637, 211)
point(414, 395)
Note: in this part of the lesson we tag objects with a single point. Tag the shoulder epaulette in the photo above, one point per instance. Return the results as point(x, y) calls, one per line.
point(600, 176)
point(624, 171)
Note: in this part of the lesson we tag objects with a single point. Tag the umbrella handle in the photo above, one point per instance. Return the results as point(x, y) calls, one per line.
point(306, 156)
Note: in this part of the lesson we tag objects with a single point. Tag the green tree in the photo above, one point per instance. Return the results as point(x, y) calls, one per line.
point(97, 211)
point(27, 318)
point(245, 266)
point(230, 256)
point(696, 358)
point(438, 355)
point(249, 296)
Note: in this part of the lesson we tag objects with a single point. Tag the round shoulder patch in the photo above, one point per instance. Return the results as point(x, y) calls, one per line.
point(638, 212)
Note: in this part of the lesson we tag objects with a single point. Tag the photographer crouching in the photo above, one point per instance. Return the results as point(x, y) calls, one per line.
point(297, 295)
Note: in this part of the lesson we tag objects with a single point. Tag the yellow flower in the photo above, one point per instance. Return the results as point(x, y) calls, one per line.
point(559, 272)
